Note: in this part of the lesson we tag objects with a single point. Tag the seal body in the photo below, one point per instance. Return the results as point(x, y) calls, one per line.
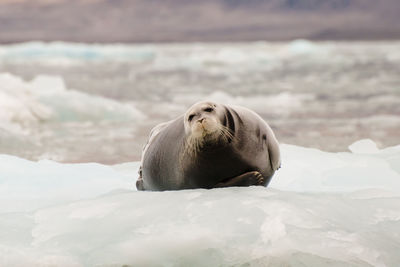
point(211, 145)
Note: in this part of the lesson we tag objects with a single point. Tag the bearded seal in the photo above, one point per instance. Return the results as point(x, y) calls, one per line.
point(212, 145)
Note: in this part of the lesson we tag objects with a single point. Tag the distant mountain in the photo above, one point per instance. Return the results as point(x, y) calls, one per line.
point(197, 20)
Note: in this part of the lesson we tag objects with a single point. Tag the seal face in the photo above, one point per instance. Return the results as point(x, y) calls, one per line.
point(211, 145)
point(203, 129)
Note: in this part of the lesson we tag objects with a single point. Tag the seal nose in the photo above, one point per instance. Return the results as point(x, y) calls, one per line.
point(200, 120)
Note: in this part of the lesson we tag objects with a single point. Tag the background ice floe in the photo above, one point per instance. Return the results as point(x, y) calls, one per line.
point(51, 121)
point(324, 95)
point(61, 53)
point(46, 98)
point(330, 209)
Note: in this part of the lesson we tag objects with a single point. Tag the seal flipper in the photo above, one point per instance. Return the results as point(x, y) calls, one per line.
point(246, 179)
point(139, 184)
point(139, 181)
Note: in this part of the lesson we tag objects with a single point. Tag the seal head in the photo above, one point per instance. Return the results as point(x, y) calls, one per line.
point(204, 127)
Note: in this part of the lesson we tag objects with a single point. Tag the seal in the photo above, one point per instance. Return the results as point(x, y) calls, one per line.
point(212, 145)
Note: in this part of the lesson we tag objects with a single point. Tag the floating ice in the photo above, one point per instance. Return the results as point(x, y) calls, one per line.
point(300, 46)
point(365, 146)
point(336, 209)
point(213, 57)
point(46, 99)
point(69, 52)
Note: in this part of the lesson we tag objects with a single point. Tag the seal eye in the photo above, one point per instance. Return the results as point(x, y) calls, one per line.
point(208, 109)
point(190, 117)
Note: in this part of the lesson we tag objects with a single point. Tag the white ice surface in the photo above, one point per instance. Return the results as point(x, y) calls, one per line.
point(321, 209)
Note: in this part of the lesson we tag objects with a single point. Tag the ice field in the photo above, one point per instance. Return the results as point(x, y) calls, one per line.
point(321, 209)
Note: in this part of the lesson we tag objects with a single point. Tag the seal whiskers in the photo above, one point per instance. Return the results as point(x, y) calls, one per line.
point(226, 133)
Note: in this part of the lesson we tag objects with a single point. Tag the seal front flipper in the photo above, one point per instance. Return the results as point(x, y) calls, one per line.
point(139, 184)
point(246, 179)
point(139, 181)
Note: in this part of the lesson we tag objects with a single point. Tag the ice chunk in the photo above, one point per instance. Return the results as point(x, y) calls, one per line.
point(301, 46)
point(18, 104)
point(48, 84)
point(365, 146)
point(46, 99)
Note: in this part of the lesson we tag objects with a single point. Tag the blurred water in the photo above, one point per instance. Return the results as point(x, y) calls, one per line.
point(324, 95)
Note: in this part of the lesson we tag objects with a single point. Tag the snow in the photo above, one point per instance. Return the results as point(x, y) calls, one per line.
point(321, 209)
